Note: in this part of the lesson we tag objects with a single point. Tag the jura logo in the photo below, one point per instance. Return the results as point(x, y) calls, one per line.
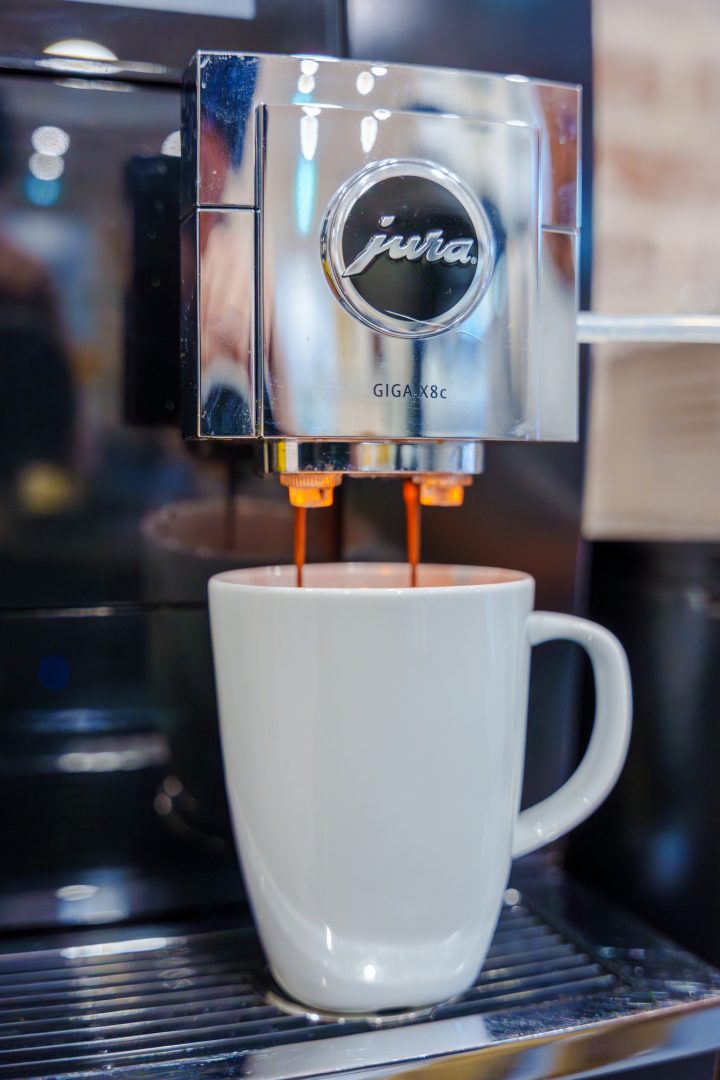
point(407, 248)
point(434, 248)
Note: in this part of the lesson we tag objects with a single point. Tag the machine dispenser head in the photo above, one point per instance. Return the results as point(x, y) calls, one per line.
point(379, 263)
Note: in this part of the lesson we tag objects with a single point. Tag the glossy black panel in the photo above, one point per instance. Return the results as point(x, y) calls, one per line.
point(97, 775)
point(152, 312)
point(75, 481)
point(654, 843)
point(109, 524)
point(165, 40)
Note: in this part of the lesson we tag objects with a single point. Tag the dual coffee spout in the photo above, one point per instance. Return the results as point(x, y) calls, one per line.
point(310, 491)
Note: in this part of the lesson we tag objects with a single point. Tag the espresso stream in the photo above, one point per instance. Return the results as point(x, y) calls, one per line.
point(411, 495)
point(300, 542)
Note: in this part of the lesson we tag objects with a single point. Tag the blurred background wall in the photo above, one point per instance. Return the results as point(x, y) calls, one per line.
point(655, 415)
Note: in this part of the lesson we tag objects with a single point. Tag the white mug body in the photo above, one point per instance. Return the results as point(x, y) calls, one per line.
point(373, 739)
point(373, 742)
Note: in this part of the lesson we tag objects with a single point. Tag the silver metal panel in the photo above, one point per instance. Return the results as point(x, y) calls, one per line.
point(326, 374)
point(228, 98)
point(373, 459)
point(231, 86)
point(398, 351)
point(226, 404)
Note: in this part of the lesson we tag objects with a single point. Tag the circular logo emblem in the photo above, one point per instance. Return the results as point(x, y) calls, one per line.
point(407, 248)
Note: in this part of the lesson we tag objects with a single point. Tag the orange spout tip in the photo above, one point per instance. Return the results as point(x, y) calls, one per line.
point(442, 490)
point(311, 491)
point(310, 498)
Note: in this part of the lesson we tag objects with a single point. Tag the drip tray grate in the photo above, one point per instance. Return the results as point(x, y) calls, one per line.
point(177, 1002)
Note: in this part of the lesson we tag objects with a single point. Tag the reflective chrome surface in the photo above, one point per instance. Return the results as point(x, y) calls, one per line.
point(373, 459)
point(220, 310)
point(289, 142)
point(571, 988)
point(325, 372)
point(233, 85)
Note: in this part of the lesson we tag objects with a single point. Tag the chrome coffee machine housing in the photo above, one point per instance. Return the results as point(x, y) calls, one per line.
point(379, 262)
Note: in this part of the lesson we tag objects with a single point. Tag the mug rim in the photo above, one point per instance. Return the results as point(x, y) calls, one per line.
point(235, 579)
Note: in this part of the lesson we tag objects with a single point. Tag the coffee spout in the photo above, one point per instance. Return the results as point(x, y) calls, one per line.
point(443, 490)
point(310, 491)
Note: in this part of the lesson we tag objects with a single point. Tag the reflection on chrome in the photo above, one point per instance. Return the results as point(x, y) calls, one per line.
point(172, 786)
point(80, 49)
point(115, 948)
point(73, 893)
point(92, 84)
point(46, 167)
point(309, 129)
point(306, 84)
point(305, 190)
point(116, 755)
point(51, 140)
point(364, 82)
point(368, 133)
point(171, 144)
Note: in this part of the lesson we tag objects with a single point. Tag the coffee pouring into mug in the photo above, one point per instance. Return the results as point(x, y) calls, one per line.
point(379, 294)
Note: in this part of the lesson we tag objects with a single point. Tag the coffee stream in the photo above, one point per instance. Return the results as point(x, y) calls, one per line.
point(300, 541)
point(411, 495)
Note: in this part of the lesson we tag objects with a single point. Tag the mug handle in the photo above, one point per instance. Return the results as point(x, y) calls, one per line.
point(604, 758)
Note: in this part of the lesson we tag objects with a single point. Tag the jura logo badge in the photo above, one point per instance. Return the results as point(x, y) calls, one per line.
point(434, 248)
point(407, 248)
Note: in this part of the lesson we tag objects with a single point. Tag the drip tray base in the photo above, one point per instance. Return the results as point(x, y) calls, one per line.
point(572, 987)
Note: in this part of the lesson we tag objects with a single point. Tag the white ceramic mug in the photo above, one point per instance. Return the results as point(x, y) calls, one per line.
point(373, 738)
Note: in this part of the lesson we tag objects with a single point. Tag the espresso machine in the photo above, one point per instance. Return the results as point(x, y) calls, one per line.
point(379, 267)
point(377, 270)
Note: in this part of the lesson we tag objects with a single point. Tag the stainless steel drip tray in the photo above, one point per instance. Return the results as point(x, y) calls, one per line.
point(571, 987)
